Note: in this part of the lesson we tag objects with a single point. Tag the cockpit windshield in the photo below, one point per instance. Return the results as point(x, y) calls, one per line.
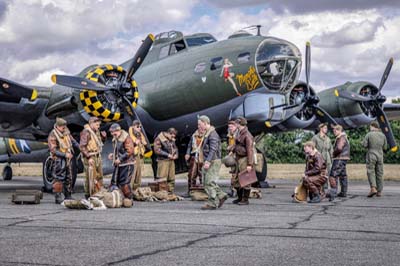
point(199, 40)
point(278, 64)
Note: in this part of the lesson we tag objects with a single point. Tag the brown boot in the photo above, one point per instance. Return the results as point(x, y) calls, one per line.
point(372, 192)
point(379, 194)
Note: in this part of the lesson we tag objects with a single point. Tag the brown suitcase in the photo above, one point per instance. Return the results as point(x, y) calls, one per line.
point(27, 197)
point(247, 178)
point(158, 185)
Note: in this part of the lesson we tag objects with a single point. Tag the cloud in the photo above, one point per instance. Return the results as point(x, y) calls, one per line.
point(351, 33)
point(307, 6)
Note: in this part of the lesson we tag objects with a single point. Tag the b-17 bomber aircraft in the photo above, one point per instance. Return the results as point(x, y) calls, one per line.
point(172, 79)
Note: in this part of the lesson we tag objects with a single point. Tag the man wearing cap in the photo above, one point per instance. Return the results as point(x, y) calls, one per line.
point(61, 145)
point(192, 157)
point(91, 144)
point(210, 156)
point(323, 144)
point(375, 142)
point(139, 140)
point(244, 153)
point(341, 154)
point(315, 174)
point(123, 160)
point(167, 152)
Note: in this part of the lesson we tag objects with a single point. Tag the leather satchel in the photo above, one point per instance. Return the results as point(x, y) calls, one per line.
point(247, 178)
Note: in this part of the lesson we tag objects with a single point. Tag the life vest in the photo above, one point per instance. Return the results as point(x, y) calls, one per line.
point(140, 148)
point(94, 145)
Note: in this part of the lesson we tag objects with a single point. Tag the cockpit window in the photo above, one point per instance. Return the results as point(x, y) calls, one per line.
point(198, 41)
point(243, 58)
point(177, 47)
point(164, 52)
point(278, 64)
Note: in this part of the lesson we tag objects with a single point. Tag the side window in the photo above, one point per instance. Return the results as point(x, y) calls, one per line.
point(216, 63)
point(243, 58)
point(177, 47)
point(164, 52)
point(200, 67)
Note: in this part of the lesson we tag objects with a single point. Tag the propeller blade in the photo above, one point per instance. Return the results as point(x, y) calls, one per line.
point(16, 90)
point(135, 116)
point(386, 73)
point(385, 127)
point(290, 106)
point(308, 65)
point(352, 96)
point(323, 116)
point(139, 57)
point(78, 83)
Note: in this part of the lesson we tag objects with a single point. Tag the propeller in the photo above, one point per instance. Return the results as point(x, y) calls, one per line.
point(375, 102)
point(16, 90)
point(121, 88)
point(309, 100)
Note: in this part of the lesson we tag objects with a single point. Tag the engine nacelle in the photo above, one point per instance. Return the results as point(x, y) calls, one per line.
point(305, 117)
point(349, 113)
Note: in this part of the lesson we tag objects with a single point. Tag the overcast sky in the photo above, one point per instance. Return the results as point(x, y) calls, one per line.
point(351, 40)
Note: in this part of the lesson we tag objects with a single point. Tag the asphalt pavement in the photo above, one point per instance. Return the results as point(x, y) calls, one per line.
point(270, 231)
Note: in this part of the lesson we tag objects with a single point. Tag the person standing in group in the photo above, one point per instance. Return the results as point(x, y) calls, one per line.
point(341, 154)
point(324, 145)
point(91, 144)
point(192, 157)
point(167, 152)
point(61, 145)
point(210, 156)
point(140, 143)
point(123, 160)
point(375, 142)
point(244, 154)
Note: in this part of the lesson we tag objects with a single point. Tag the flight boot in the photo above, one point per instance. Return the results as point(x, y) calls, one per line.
point(315, 199)
point(245, 197)
point(239, 195)
point(372, 192)
point(58, 198)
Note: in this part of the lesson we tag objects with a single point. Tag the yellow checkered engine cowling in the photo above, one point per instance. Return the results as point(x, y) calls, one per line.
point(91, 102)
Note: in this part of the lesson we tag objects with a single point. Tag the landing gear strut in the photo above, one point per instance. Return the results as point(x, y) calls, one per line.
point(7, 173)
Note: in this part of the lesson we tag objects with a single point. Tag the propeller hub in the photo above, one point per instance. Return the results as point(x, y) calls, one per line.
point(381, 98)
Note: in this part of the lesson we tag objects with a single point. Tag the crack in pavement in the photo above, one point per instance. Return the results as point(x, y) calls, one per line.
point(27, 219)
point(31, 263)
point(185, 245)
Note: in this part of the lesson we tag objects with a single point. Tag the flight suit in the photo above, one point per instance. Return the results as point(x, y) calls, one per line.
point(123, 149)
point(139, 151)
point(59, 145)
point(324, 146)
point(193, 150)
point(164, 146)
point(244, 154)
point(375, 142)
point(341, 154)
point(91, 146)
point(211, 152)
point(315, 175)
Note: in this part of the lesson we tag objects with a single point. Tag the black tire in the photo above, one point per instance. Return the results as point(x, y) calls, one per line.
point(261, 177)
point(47, 172)
point(7, 173)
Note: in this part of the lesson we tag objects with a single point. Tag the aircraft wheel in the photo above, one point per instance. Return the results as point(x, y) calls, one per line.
point(7, 173)
point(47, 172)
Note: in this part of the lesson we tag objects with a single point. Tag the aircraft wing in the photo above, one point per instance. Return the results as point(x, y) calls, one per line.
point(20, 108)
point(392, 111)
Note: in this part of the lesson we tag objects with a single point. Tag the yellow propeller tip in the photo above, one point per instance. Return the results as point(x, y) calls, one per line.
point(391, 59)
point(151, 37)
point(394, 149)
point(34, 95)
point(268, 124)
point(308, 43)
point(54, 78)
point(336, 93)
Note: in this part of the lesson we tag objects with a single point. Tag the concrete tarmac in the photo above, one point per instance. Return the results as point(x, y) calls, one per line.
point(270, 231)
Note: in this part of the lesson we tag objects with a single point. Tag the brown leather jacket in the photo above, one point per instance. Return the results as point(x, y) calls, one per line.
point(164, 146)
point(61, 143)
point(341, 149)
point(315, 164)
point(85, 142)
point(123, 149)
point(244, 146)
